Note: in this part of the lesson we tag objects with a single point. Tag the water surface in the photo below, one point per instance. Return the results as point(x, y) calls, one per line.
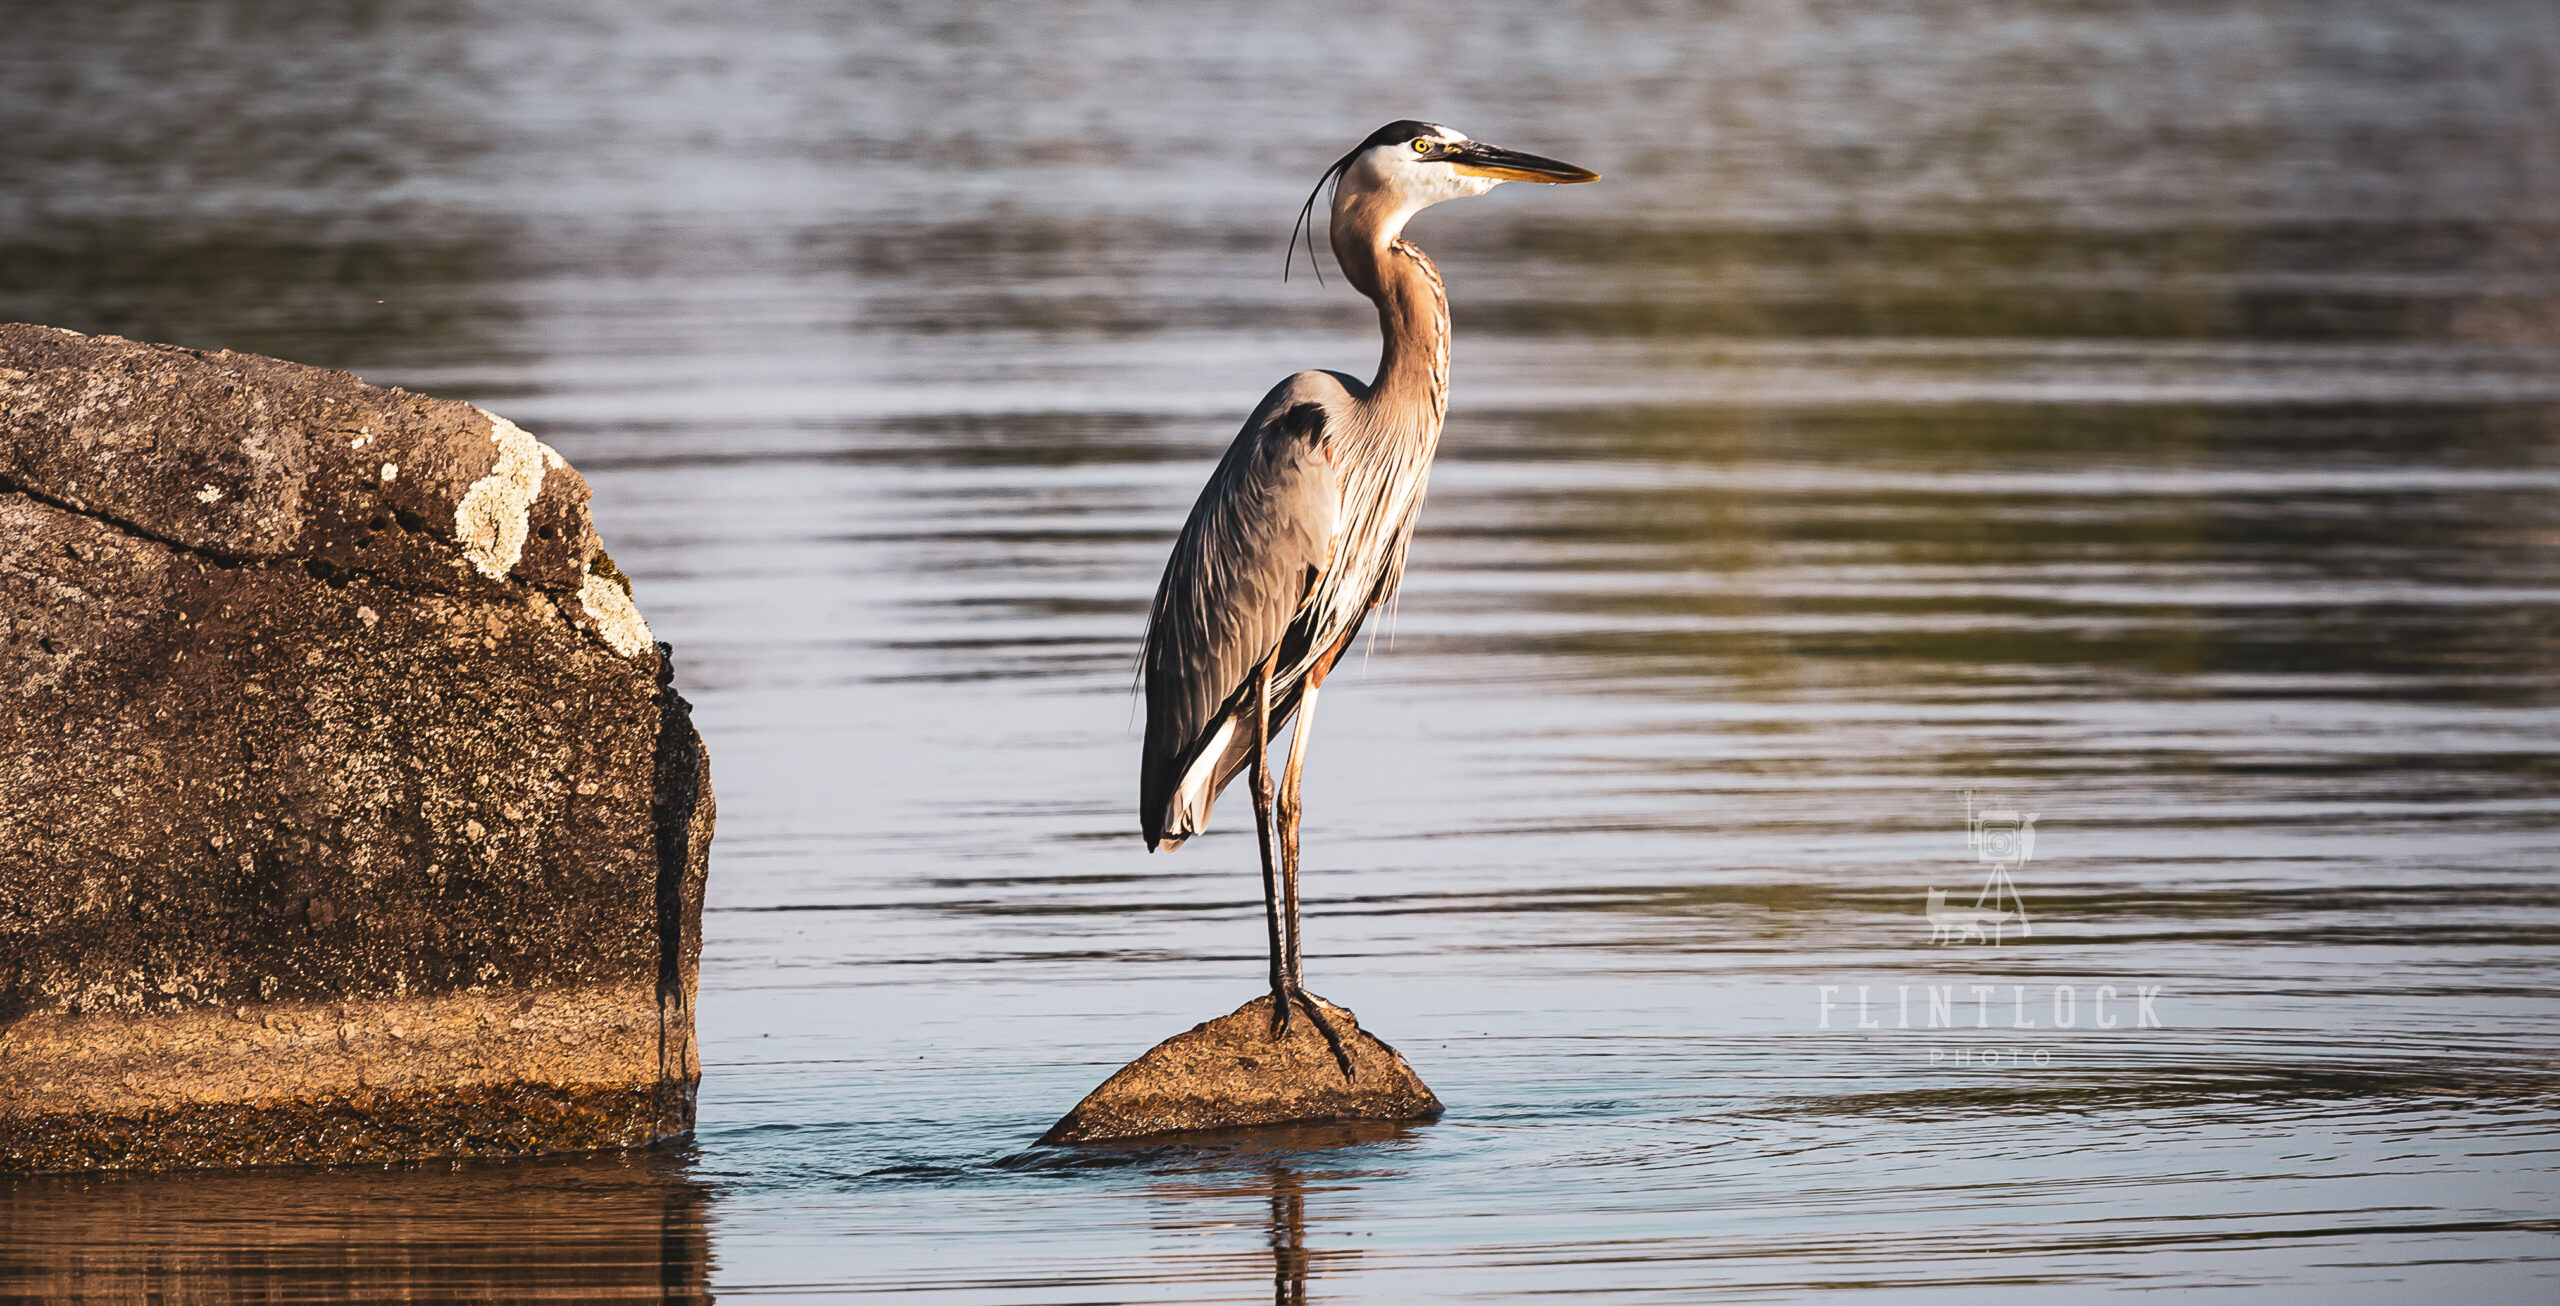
point(2143, 418)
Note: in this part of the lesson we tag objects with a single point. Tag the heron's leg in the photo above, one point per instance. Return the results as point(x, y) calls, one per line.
point(1261, 779)
point(1291, 808)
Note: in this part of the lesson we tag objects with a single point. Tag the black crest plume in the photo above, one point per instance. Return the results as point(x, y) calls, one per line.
point(1402, 129)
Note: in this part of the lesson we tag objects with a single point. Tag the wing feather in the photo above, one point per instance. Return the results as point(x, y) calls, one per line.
point(1262, 530)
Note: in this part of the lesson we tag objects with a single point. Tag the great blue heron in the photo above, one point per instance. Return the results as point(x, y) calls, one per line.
point(1303, 527)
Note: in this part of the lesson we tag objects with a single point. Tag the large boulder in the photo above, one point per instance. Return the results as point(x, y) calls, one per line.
point(347, 809)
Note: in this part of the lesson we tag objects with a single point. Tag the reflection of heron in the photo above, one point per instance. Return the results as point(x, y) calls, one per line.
point(1288, 1238)
point(1303, 527)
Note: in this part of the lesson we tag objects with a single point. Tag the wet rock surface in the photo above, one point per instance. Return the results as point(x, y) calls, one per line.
point(1231, 1073)
point(350, 811)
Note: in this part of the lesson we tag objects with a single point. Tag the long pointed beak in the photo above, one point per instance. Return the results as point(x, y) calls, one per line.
point(1477, 159)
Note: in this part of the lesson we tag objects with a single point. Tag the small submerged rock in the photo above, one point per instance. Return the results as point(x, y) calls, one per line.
point(1231, 1073)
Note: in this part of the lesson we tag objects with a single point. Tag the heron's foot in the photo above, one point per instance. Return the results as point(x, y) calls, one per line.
point(1332, 1038)
point(1280, 1005)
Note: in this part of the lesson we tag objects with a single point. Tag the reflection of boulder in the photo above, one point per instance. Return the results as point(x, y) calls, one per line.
point(1230, 1073)
point(616, 1227)
point(349, 813)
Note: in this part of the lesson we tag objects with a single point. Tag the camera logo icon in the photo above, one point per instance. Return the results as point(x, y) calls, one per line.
point(2001, 835)
point(2001, 838)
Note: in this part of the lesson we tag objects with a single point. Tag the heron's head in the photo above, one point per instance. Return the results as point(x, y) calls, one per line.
point(1408, 166)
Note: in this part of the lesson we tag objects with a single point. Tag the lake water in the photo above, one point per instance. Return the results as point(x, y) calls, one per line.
point(2147, 417)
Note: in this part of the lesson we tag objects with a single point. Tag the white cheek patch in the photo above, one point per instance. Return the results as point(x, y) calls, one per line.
point(1419, 181)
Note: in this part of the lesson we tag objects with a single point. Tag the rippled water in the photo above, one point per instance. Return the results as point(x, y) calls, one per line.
point(2144, 417)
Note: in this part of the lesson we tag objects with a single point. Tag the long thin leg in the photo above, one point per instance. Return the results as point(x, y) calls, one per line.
point(1261, 779)
point(1291, 809)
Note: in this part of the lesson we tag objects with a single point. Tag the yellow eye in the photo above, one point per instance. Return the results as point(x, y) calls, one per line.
point(1421, 145)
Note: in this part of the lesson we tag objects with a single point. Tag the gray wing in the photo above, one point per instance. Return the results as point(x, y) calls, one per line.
point(1263, 529)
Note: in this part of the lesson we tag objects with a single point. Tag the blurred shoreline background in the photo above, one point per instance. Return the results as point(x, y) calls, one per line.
point(2145, 414)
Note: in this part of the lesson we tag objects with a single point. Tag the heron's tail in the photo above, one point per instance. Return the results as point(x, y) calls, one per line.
point(1185, 811)
point(1177, 805)
point(1176, 790)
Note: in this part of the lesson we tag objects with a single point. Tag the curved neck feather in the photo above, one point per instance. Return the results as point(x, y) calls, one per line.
point(1413, 308)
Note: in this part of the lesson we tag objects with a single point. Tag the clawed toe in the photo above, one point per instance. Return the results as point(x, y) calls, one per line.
point(1282, 1017)
point(1332, 1038)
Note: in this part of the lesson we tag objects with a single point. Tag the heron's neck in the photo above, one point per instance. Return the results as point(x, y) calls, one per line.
point(1413, 318)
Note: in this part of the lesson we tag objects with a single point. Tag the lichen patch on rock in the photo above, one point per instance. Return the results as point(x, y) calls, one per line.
point(617, 618)
point(495, 513)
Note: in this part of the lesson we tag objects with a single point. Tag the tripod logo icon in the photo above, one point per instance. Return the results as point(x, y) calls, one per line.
point(2003, 839)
